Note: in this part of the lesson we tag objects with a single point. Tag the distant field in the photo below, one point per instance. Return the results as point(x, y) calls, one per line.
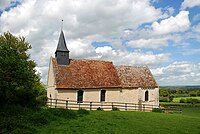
point(177, 100)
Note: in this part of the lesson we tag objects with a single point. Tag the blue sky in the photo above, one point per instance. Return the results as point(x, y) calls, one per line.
point(163, 34)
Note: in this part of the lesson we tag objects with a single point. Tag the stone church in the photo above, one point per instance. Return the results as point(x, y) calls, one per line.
point(98, 81)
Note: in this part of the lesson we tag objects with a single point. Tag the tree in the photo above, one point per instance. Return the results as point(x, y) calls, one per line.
point(193, 93)
point(18, 79)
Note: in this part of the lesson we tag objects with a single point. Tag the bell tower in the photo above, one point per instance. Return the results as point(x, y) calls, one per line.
point(62, 53)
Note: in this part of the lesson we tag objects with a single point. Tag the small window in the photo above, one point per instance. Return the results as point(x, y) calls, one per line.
point(146, 96)
point(80, 96)
point(103, 95)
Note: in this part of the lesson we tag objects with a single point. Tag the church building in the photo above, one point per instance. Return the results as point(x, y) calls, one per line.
point(98, 81)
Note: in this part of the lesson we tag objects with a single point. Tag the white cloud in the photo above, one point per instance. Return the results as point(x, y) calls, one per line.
point(80, 49)
point(120, 57)
point(152, 43)
point(196, 28)
point(4, 4)
point(196, 17)
point(179, 23)
point(190, 3)
point(181, 73)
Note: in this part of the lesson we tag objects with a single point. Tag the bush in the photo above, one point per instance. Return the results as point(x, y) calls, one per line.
point(164, 99)
point(100, 109)
point(193, 93)
point(157, 110)
point(171, 97)
point(192, 100)
point(115, 109)
point(182, 101)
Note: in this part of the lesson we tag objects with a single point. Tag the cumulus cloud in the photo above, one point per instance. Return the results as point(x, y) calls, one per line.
point(196, 28)
point(120, 57)
point(190, 3)
point(179, 23)
point(180, 73)
point(152, 43)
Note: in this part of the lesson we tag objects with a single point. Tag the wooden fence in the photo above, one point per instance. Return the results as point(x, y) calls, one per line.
point(70, 104)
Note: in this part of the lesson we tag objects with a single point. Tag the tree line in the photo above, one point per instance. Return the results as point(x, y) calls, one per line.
point(167, 94)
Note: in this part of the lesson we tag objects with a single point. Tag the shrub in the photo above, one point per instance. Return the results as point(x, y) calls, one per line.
point(182, 101)
point(100, 109)
point(192, 100)
point(171, 97)
point(115, 109)
point(164, 99)
point(193, 93)
point(157, 110)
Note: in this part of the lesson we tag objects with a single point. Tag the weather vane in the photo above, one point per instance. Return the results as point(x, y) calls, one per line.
point(62, 24)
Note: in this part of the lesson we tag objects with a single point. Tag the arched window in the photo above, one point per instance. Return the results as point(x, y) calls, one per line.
point(146, 95)
point(80, 96)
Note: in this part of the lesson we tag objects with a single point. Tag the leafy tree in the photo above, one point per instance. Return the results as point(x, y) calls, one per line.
point(198, 93)
point(193, 93)
point(164, 93)
point(19, 83)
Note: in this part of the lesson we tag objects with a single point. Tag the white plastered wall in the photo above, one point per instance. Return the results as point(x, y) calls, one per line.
point(51, 82)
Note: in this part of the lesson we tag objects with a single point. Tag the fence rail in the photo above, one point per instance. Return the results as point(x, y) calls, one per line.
point(71, 104)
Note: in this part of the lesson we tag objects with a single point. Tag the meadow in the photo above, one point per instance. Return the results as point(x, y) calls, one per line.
point(177, 99)
point(60, 121)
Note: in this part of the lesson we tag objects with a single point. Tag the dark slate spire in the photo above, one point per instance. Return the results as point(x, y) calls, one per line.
point(62, 53)
point(61, 43)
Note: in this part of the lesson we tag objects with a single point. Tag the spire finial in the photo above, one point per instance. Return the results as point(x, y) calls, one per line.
point(62, 24)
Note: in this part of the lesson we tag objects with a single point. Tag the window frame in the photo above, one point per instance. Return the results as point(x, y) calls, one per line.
point(80, 96)
point(146, 95)
point(103, 96)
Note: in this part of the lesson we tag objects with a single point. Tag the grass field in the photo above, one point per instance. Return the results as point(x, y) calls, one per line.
point(61, 121)
point(126, 122)
point(177, 100)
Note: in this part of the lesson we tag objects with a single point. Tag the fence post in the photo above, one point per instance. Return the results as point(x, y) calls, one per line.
point(112, 105)
point(79, 105)
point(144, 107)
point(50, 103)
point(56, 103)
point(66, 104)
point(126, 106)
point(90, 105)
point(135, 107)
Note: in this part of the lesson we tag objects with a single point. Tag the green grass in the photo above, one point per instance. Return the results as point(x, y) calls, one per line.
point(191, 111)
point(116, 122)
point(177, 100)
point(61, 121)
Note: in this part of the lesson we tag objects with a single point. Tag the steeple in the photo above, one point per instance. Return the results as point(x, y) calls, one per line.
point(62, 53)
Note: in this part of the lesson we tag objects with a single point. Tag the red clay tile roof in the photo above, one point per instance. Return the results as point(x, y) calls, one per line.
point(86, 74)
point(136, 76)
point(100, 74)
